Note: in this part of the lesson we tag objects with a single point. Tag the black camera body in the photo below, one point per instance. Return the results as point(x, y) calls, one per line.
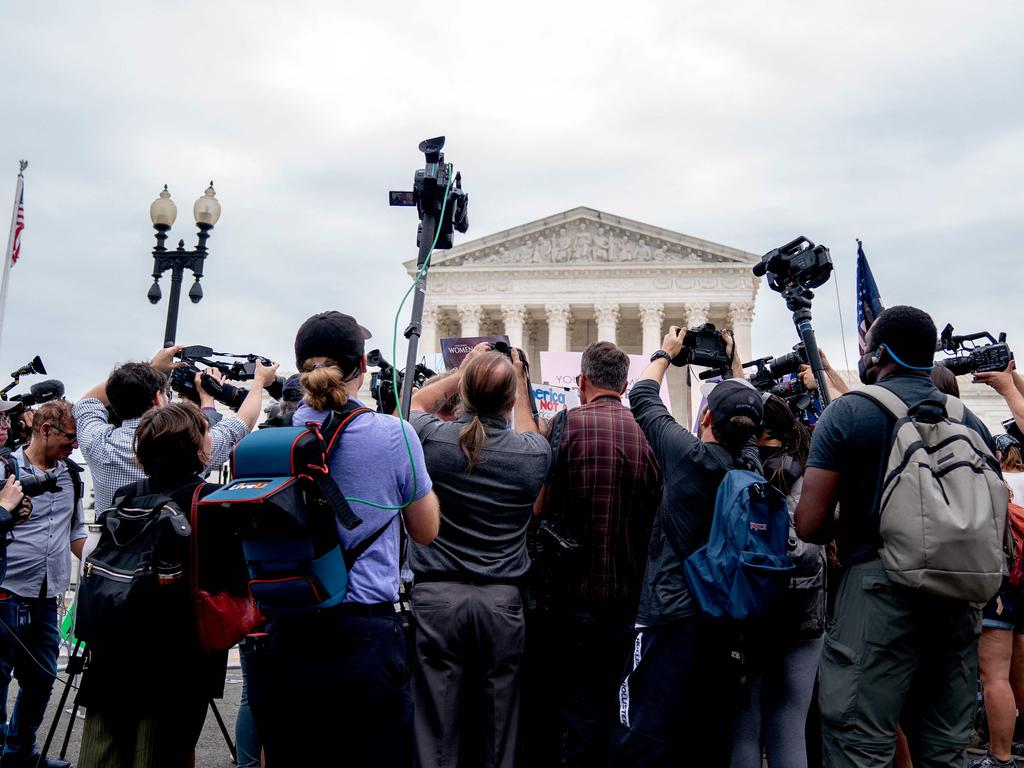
point(704, 346)
point(428, 195)
point(797, 264)
point(969, 357)
point(382, 381)
point(182, 379)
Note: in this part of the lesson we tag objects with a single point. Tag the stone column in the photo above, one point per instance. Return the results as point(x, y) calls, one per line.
point(514, 316)
point(652, 316)
point(607, 315)
point(470, 319)
point(559, 316)
point(697, 313)
point(428, 338)
point(741, 316)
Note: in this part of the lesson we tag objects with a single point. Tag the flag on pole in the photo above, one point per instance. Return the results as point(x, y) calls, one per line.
point(13, 240)
point(869, 303)
point(19, 221)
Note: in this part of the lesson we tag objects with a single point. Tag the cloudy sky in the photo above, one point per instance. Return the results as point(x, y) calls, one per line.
point(745, 124)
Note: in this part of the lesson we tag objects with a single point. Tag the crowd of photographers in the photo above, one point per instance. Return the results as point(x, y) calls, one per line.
point(552, 618)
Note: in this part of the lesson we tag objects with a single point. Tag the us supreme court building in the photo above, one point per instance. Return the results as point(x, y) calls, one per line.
point(568, 280)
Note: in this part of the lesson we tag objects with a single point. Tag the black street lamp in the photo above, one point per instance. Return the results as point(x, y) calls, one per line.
point(162, 212)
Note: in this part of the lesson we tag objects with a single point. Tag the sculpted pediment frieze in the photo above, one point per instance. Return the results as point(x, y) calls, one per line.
point(587, 237)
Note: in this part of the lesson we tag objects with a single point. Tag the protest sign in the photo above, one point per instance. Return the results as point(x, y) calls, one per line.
point(454, 351)
point(560, 369)
point(550, 400)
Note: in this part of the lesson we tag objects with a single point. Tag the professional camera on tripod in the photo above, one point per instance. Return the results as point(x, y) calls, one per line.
point(382, 387)
point(793, 270)
point(969, 357)
point(443, 206)
point(243, 368)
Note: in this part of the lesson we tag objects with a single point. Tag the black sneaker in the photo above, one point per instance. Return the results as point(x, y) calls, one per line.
point(988, 761)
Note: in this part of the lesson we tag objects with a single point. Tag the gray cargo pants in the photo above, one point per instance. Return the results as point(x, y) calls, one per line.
point(469, 647)
point(895, 656)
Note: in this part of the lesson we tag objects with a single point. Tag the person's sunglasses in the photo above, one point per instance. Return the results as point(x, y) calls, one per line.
point(72, 436)
point(578, 376)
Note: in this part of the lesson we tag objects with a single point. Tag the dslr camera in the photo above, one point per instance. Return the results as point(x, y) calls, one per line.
point(704, 346)
point(969, 357)
point(382, 381)
point(182, 380)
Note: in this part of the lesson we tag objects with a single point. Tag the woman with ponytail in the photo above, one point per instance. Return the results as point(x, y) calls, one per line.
point(782, 649)
point(466, 596)
point(337, 679)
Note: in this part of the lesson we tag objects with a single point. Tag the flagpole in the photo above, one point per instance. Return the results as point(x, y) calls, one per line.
point(23, 164)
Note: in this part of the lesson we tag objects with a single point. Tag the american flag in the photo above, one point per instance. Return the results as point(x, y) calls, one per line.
point(869, 303)
point(19, 225)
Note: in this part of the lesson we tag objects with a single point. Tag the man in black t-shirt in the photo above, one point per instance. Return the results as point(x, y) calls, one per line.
point(677, 699)
point(889, 649)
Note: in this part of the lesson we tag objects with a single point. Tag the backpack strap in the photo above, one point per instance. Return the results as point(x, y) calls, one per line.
point(557, 428)
point(329, 432)
point(351, 555)
point(883, 397)
point(194, 521)
point(75, 473)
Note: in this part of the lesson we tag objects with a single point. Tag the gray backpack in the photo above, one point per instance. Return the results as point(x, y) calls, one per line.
point(942, 504)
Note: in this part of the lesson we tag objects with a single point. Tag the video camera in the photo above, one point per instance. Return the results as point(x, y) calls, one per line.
point(771, 375)
point(969, 357)
point(797, 264)
point(382, 381)
point(39, 393)
point(702, 345)
point(429, 184)
point(243, 368)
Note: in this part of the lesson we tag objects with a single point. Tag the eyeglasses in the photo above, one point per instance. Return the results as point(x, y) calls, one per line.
point(71, 436)
point(4, 421)
point(578, 377)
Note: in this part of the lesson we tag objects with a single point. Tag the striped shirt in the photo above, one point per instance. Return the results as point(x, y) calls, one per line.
point(110, 450)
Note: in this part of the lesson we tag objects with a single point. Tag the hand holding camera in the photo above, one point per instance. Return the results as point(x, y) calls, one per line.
point(11, 496)
point(1001, 381)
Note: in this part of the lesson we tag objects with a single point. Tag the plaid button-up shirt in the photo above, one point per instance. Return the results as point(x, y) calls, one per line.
point(110, 450)
point(605, 491)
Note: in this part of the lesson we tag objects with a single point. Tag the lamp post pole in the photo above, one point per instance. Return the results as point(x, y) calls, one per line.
point(163, 212)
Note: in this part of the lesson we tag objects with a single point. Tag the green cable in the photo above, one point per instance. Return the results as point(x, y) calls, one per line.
point(394, 356)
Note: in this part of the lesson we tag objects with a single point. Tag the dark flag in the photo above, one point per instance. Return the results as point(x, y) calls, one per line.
point(869, 303)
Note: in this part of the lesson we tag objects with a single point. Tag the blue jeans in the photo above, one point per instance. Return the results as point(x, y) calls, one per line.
point(33, 622)
point(247, 741)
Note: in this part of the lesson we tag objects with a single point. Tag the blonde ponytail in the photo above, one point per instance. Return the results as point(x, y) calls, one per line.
point(324, 386)
point(471, 440)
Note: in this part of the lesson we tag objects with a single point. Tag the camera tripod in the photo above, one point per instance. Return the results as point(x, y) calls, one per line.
point(798, 301)
point(76, 665)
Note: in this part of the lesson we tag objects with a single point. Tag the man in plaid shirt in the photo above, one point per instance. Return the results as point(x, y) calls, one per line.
point(131, 390)
point(603, 493)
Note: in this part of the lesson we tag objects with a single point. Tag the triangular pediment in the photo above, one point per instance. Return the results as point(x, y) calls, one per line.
point(584, 236)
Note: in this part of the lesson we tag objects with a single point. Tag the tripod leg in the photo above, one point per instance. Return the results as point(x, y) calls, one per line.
point(72, 672)
point(224, 730)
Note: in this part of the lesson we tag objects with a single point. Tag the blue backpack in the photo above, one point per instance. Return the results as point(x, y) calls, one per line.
point(746, 564)
point(285, 507)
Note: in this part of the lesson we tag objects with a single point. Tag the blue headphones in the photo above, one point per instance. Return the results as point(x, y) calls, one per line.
point(877, 357)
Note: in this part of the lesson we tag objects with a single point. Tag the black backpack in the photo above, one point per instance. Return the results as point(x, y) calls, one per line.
point(143, 548)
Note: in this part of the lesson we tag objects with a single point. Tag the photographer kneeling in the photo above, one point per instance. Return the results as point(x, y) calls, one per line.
point(466, 599)
point(677, 701)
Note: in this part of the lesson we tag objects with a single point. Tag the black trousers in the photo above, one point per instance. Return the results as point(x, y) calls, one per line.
point(677, 699)
point(593, 640)
point(332, 686)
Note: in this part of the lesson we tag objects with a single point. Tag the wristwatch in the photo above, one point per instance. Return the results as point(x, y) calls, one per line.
point(661, 353)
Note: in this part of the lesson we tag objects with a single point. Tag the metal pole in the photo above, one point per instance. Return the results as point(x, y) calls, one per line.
point(412, 333)
point(19, 188)
point(171, 330)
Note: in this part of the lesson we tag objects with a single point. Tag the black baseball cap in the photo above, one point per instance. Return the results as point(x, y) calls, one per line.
point(734, 397)
point(333, 335)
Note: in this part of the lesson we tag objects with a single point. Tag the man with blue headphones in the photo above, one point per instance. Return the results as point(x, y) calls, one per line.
point(892, 655)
